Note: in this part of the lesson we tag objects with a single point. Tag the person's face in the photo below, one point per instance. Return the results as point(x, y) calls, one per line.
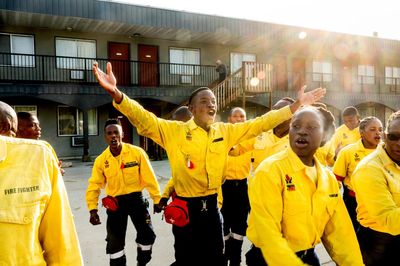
point(204, 108)
point(237, 116)
point(282, 129)
point(392, 140)
point(351, 121)
point(372, 134)
point(306, 133)
point(113, 136)
point(29, 129)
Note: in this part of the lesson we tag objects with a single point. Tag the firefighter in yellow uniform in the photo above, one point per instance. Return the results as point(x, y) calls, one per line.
point(296, 204)
point(371, 134)
point(376, 182)
point(197, 151)
point(36, 222)
point(124, 170)
point(348, 132)
point(235, 203)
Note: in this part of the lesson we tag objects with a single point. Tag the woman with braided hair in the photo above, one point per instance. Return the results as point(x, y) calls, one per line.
point(296, 203)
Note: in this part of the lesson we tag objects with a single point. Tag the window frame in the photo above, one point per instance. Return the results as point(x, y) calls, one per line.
point(77, 114)
point(321, 74)
point(364, 78)
point(180, 68)
point(232, 54)
point(25, 108)
point(392, 79)
point(75, 60)
point(14, 57)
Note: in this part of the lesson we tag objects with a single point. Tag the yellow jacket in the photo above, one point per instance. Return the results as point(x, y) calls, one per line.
point(347, 160)
point(267, 144)
point(290, 213)
point(36, 222)
point(376, 182)
point(238, 167)
point(344, 136)
point(197, 158)
point(326, 155)
point(129, 172)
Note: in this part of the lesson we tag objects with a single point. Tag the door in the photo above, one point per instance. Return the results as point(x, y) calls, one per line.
point(148, 65)
point(299, 71)
point(119, 56)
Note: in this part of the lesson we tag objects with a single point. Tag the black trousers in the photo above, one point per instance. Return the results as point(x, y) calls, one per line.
point(254, 257)
point(235, 207)
point(134, 206)
point(351, 206)
point(201, 241)
point(378, 248)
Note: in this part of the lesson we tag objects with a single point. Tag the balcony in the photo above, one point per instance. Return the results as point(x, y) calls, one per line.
point(22, 68)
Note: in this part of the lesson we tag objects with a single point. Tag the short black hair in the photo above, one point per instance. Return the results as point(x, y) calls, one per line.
point(24, 115)
point(112, 121)
point(350, 111)
point(195, 92)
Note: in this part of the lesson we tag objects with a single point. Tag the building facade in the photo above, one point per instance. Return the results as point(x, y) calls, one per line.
point(160, 56)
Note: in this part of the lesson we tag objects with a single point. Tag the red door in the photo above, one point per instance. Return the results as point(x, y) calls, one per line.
point(298, 68)
point(118, 55)
point(148, 65)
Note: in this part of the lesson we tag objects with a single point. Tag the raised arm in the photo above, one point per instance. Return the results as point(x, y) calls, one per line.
point(108, 81)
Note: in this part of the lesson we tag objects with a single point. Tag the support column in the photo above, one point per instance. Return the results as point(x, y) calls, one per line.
point(85, 156)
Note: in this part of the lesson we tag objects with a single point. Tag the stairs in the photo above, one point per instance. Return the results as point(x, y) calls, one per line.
point(251, 79)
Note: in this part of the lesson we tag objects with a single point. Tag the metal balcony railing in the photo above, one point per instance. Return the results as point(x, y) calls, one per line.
point(60, 69)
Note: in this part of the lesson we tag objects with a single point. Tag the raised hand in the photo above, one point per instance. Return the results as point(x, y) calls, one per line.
point(107, 81)
point(308, 98)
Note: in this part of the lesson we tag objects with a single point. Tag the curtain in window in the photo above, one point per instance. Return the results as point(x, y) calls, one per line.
point(184, 56)
point(75, 48)
point(67, 121)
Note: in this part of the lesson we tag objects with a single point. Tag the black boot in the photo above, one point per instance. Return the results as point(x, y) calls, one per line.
point(236, 252)
point(121, 261)
point(143, 257)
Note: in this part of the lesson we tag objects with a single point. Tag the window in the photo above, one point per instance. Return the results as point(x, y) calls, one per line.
point(184, 61)
point(322, 71)
point(392, 75)
point(238, 58)
point(70, 51)
point(16, 49)
point(70, 121)
point(366, 74)
point(26, 108)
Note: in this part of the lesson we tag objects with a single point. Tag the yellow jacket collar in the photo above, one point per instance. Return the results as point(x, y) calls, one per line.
point(123, 150)
point(383, 156)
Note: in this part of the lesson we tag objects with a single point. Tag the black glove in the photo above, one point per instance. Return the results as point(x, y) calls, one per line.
point(94, 217)
point(161, 205)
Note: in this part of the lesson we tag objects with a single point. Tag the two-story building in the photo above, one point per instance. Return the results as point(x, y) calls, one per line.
point(160, 56)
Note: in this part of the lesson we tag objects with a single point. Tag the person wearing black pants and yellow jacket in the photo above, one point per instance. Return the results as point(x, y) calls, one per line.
point(124, 170)
point(197, 151)
point(235, 203)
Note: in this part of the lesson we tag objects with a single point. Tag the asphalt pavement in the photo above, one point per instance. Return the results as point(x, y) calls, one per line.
point(92, 238)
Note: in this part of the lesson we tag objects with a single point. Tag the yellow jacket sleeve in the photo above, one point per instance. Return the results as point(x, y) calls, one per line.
point(339, 233)
point(96, 183)
point(57, 229)
point(266, 215)
point(376, 204)
point(148, 176)
point(169, 189)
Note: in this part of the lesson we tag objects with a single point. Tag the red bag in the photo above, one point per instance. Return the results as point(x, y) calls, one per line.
point(110, 203)
point(177, 213)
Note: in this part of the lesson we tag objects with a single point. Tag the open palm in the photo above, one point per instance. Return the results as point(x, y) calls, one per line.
point(106, 80)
